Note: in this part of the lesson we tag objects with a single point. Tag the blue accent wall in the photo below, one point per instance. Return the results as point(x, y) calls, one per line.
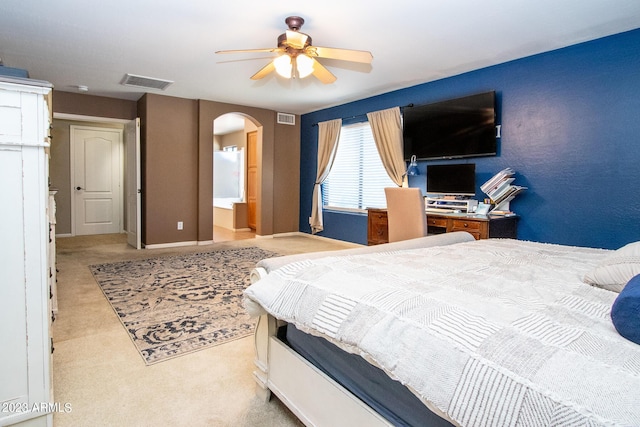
point(570, 129)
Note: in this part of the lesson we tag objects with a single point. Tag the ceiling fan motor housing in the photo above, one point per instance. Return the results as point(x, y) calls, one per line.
point(294, 22)
point(282, 41)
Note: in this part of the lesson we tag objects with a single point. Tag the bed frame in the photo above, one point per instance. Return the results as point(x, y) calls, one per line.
point(315, 398)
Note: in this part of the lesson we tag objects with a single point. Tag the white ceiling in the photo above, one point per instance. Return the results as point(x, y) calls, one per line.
point(80, 42)
point(228, 123)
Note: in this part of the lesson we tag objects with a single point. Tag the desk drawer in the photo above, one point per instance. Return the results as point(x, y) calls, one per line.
point(464, 225)
point(436, 222)
point(380, 230)
point(378, 227)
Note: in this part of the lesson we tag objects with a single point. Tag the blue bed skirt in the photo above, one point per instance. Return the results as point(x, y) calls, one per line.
point(370, 384)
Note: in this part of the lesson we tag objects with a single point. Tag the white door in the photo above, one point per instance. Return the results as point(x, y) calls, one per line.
point(132, 182)
point(95, 180)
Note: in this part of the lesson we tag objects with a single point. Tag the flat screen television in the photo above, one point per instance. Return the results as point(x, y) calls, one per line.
point(451, 180)
point(456, 128)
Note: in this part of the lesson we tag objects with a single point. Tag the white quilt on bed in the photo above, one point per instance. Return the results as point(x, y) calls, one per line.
point(492, 332)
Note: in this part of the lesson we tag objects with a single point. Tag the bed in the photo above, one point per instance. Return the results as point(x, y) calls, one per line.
point(490, 332)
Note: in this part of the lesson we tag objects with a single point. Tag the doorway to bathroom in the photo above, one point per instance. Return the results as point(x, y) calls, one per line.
point(234, 174)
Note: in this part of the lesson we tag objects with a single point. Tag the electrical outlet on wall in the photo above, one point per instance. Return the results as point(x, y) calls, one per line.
point(180, 225)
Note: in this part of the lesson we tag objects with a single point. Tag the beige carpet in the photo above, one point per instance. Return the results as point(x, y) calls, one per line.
point(101, 376)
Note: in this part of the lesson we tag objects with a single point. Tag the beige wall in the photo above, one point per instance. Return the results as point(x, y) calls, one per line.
point(286, 199)
point(177, 162)
point(95, 106)
point(234, 138)
point(169, 169)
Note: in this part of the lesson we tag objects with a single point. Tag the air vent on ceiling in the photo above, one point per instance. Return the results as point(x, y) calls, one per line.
point(147, 82)
point(286, 119)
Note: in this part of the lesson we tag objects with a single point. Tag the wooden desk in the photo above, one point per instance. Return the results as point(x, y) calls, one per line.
point(480, 226)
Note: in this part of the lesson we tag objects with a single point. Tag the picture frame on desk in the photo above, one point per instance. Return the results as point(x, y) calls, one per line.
point(482, 209)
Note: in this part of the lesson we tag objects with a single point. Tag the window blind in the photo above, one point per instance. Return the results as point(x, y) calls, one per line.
point(357, 178)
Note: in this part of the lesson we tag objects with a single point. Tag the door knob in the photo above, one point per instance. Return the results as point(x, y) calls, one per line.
point(79, 188)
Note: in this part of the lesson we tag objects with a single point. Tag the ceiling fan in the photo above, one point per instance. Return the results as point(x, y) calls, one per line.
point(298, 57)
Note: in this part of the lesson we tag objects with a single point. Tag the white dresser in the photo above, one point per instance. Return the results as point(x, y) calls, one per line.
point(53, 273)
point(25, 303)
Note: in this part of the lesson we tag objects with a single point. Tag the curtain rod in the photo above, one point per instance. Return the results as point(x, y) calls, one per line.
point(361, 115)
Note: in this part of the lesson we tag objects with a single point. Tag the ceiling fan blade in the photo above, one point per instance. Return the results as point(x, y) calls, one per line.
point(341, 54)
point(268, 49)
point(322, 74)
point(264, 71)
point(296, 39)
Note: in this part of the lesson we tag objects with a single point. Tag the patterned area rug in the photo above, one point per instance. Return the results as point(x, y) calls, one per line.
point(172, 306)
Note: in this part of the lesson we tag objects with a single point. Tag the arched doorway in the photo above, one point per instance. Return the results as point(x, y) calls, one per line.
point(235, 164)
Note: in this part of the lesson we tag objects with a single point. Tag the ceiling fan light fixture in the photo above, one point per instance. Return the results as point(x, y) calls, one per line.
point(304, 66)
point(299, 58)
point(283, 66)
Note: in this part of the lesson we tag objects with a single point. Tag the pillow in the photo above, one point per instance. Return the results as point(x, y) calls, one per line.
point(625, 311)
point(617, 269)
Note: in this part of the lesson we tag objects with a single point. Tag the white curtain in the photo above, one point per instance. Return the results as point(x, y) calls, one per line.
point(328, 136)
point(386, 126)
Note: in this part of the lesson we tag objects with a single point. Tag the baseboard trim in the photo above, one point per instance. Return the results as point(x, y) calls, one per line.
point(313, 236)
point(171, 245)
point(289, 234)
point(268, 236)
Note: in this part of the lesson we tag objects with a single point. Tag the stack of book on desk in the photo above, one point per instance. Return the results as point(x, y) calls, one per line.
point(501, 191)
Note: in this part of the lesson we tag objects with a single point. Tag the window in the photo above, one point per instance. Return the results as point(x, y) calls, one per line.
point(357, 178)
